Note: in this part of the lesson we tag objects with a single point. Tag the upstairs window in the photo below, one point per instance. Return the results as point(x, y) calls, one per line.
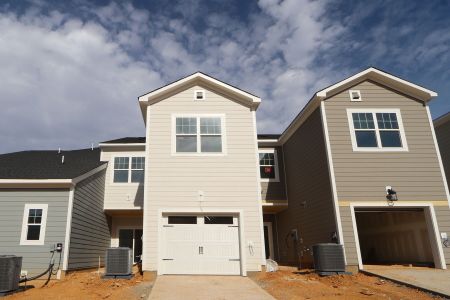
point(129, 169)
point(198, 134)
point(34, 223)
point(268, 166)
point(380, 130)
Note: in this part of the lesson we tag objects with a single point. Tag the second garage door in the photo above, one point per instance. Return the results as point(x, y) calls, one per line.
point(200, 244)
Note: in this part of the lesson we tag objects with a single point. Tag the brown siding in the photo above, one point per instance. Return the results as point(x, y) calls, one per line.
point(362, 176)
point(307, 182)
point(443, 138)
point(275, 190)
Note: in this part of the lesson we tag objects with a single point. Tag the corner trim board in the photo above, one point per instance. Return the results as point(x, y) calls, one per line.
point(68, 229)
point(332, 177)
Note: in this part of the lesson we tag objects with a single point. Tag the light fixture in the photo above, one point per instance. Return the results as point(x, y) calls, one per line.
point(391, 195)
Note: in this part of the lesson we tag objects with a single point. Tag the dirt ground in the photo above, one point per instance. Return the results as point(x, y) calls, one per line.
point(87, 285)
point(290, 283)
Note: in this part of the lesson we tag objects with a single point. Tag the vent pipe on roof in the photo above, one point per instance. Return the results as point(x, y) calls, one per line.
point(92, 146)
point(59, 150)
point(62, 159)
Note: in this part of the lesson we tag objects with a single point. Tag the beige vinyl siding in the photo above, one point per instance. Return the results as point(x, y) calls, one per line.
point(90, 228)
point(310, 208)
point(362, 176)
point(275, 190)
point(122, 195)
point(229, 181)
point(443, 139)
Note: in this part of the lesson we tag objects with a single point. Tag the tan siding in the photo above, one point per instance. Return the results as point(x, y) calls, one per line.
point(275, 190)
point(362, 176)
point(121, 196)
point(443, 138)
point(307, 181)
point(228, 181)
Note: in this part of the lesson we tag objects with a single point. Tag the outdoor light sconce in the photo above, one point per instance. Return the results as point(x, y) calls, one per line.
point(391, 195)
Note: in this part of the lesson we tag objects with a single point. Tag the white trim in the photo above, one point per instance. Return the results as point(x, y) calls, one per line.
point(223, 134)
point(379, 147)
point(130, 156)
point(68, 229)
point(337, 212)
point(438, 153)
point(258, 189)
point(270, 237)
point(121, 144)
point(146, 202)
point(43, 224)
point(202, 211)
point(428, 208)
point(267, 140)
point(275, 157)
point(195, 76)
point(203, 95)
point(324, 93)
point(89, 174)
point(350, 92)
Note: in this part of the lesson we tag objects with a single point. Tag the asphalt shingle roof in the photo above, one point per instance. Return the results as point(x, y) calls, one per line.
point(141, 139)
point(47, 164)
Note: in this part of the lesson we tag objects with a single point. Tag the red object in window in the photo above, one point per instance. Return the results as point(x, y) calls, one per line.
point(267, 169)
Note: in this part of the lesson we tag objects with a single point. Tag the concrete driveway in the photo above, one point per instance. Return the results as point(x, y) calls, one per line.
point(428, 279)
point(178, 287)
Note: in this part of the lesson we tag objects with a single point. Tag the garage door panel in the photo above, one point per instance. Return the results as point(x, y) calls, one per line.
point(201, 249)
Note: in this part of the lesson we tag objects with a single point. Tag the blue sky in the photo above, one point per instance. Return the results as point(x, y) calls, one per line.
point(71, 72)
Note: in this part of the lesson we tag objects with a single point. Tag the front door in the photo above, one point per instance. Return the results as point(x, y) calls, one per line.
point(131, 238)
point(268, 240)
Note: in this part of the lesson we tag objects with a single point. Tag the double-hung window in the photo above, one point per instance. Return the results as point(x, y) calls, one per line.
point(376, 129)
point(129, 169)
point(34, 223)
point(198, 134)
point(268, 166)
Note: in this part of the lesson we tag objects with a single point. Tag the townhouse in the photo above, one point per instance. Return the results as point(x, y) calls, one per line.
point(203, 193)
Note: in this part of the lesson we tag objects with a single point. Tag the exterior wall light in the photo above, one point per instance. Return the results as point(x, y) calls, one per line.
point(391, 195)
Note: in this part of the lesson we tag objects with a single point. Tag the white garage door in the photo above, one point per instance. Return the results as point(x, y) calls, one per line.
point(207, 244)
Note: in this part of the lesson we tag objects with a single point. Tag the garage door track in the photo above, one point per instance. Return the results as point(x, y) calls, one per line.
point(186, 287)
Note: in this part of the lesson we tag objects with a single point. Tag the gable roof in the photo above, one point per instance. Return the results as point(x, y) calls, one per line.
point(47, 164)
point(126, 140)
point(198, 77)
point(371, 73)
point(442, 120)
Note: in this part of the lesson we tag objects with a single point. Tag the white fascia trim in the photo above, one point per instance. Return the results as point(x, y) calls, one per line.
point(324, 93)
point(258, 188)
point(144, 98)
point(372, 204)
point(267, 140)
point(438, 153)
point(88, 174)
point(68, 229)
point(337, 212)
point(122, 145)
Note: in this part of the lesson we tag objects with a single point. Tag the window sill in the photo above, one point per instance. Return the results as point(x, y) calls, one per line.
point(196, 154)
point(269, 180)
point(380, 150)
point(32, 243)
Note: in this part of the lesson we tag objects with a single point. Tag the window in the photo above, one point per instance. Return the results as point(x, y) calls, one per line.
point(218, 220)
point(198, 134)
point(33, 225)
point(268, 166)
point(380, 130)
point(182, 220)
point(355, 95)
point(124, 172)
point(199, 95)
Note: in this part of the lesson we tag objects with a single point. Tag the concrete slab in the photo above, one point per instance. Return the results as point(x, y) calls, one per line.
point(427, 279)
point(176, 287)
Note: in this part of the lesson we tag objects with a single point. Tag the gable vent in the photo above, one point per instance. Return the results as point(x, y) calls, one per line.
point(355, 95)
point(199, 95)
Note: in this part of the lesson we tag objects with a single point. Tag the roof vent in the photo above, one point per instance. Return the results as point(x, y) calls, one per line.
point(62, 159)
point(355, 95)
point(199, 95)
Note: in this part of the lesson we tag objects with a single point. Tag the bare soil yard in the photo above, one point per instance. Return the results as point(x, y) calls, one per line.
point(87, 285)
point(290, 283)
